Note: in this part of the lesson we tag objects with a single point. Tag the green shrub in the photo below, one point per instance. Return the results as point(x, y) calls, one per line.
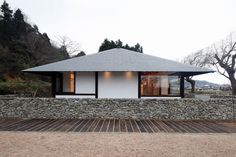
point(33, 88)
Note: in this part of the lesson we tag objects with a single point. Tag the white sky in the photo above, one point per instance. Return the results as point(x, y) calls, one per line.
point(165, 28)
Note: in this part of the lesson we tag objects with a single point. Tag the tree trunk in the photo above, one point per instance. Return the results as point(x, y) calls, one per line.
point(233, 84)
point(192, 83)
point(233, 90)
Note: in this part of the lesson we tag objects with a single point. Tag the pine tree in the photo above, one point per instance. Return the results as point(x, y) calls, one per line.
point(6, 26)
point(7, 12)
point(19, 23)
point(107, 44)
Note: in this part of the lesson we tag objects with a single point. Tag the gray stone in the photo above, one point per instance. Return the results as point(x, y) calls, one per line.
point(177, 109)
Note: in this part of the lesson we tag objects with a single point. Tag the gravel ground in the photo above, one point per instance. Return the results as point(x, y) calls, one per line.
point(35, 144)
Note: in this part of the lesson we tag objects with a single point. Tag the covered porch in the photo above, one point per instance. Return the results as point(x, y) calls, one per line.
point(125, 84)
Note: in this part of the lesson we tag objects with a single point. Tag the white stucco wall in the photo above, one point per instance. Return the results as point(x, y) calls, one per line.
point(85, 82)
point(117, 85)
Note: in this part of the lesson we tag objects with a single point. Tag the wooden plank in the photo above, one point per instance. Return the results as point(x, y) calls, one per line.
point(165, 127)
point(218, 126)
point(47, 125)
point(68, 125)
point(99, 125)
point(75, 125)
point(123, 126)
point(171, 126)
point(111, 125)
point(60, 125)
point(105, 125)
point(158, 126)
point(17, 125)
point(93, 125)
point(146, 126)
point(229, 125)
point(30, 125)
point(117, 125)
point(128, 125)
point(188, 127)
point(209, 125)
point(203, 128)
point(52, 125)
point(87, 126)
point(154, 127)
point(41, 125)
point(79, 127)
point(8, 123)
point(140, 126)
point(134, 126)
point(178, 126)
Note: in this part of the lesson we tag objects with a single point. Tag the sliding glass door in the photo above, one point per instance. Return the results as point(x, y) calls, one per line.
point(159, 84)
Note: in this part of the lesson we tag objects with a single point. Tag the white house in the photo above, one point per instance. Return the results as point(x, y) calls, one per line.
point(117, 73)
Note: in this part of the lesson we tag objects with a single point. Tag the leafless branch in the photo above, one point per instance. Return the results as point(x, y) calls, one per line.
point(72, 47)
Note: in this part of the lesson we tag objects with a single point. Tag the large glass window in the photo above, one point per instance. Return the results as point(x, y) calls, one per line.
point(69, 82)
point(72, 82)
point(157, 84)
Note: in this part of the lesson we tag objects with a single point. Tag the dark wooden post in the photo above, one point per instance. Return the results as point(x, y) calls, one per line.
point(61, 82)
point(53, 85)
point(74, 82)
point(182, 86)
point(96, 84)
point(139, 84)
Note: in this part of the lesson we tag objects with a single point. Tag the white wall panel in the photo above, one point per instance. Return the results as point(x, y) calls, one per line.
point(117, 85)
point(85, 82)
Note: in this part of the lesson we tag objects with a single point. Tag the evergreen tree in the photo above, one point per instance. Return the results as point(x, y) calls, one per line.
point(81, 53)
point(19, 23)
point(7, 12)
point(6, 27)
point(22, 45)
point(107, 44)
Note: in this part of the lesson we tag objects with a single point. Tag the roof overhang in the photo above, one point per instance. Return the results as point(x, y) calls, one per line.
point(119, 60)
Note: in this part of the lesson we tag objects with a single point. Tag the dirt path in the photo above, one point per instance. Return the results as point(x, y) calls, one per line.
point(29, 144)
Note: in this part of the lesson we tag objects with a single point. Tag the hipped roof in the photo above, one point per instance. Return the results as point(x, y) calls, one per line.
point(119, 59)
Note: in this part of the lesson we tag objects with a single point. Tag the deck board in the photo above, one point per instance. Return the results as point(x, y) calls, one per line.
point(134, 126)
point(105, 125)
point(75, 125)
point(118, 125)
point(111, 125)
point(129, 125)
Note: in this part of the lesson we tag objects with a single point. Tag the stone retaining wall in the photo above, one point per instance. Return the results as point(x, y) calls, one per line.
point(118, 108)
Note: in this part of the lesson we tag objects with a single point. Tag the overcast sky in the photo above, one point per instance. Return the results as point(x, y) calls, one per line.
point(165, 28)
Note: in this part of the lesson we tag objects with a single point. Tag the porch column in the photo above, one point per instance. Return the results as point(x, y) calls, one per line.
point(53, 85)
point(139, 84)
point(182, 86)
point(96, 85)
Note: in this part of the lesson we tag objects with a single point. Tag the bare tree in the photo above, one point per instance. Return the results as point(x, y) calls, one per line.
point(196, 59)
point(223, 56)
point(71, 46)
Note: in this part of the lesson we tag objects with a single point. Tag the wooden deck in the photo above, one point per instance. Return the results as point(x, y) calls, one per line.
point(117, 125)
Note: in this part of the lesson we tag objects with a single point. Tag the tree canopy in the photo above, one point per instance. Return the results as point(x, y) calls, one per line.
point(23, 45)
point(110, 44)
point(220, 56)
